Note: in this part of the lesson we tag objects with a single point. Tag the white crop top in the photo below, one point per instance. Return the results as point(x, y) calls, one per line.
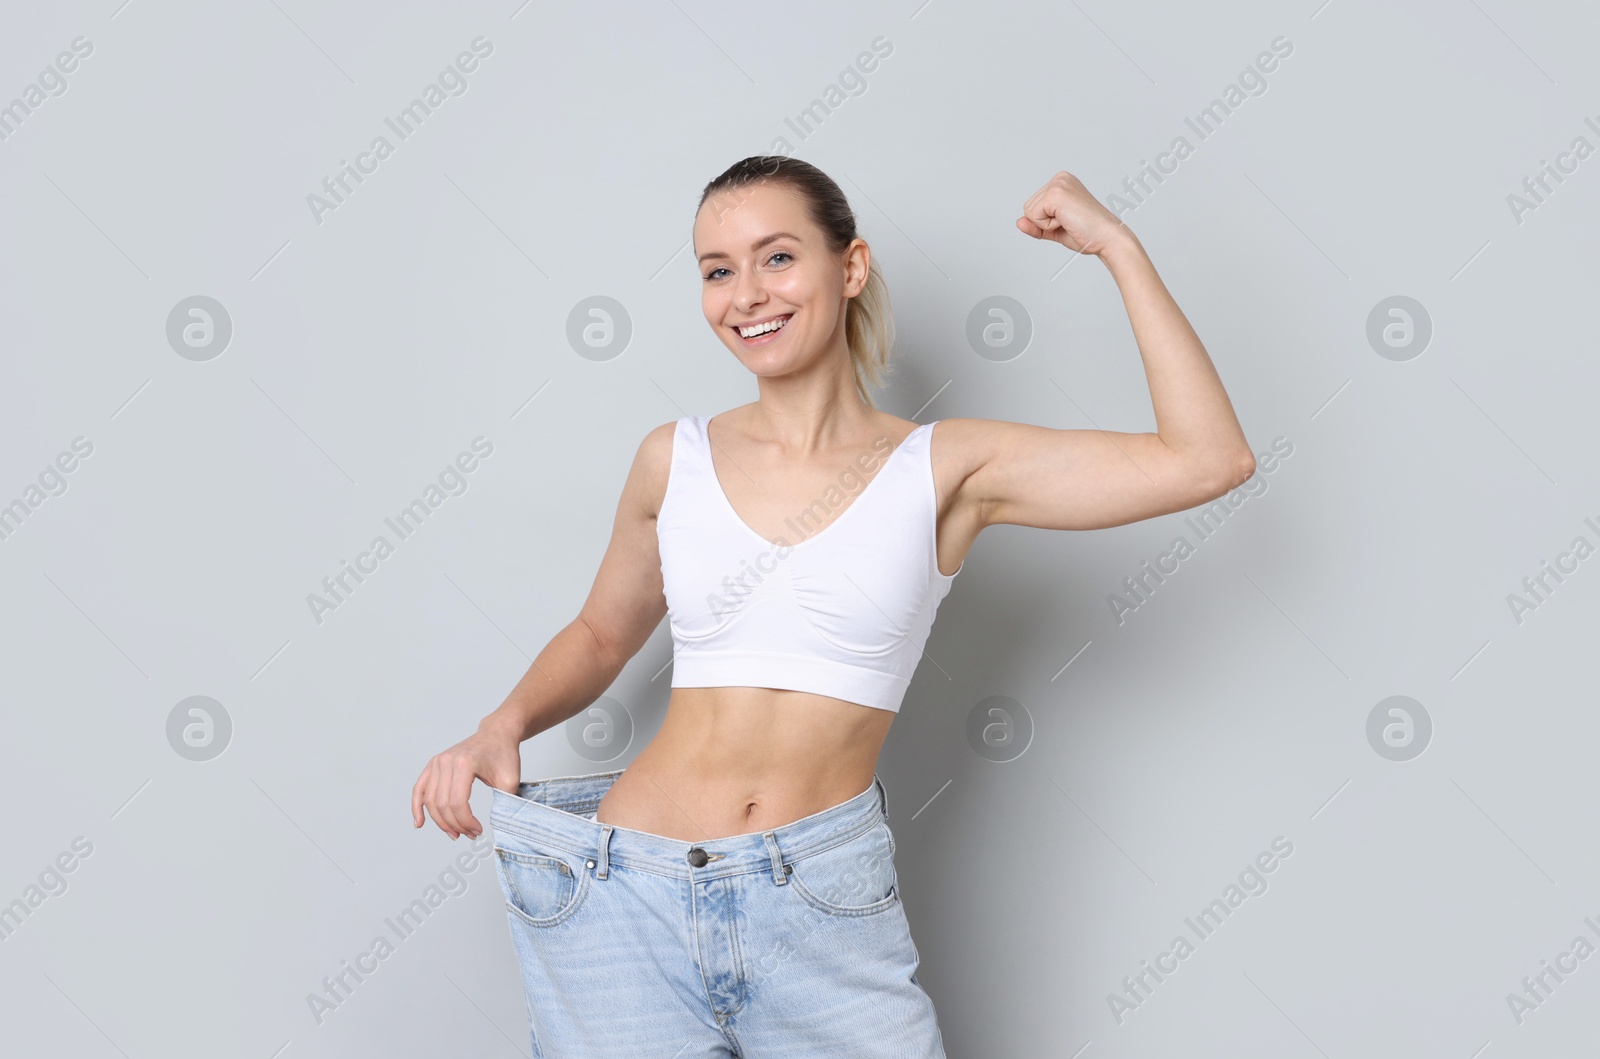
point(843, 613)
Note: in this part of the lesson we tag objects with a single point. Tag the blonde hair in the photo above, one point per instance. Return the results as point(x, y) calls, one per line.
point(869, 319)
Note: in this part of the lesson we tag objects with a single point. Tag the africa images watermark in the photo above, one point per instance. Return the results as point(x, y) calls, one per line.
point(1567, 960)
point(1205, 523)
point(52, 483)
point(451, 82)
point(452, 481)
point(859, 883)
point(737, 588)
point(1251, 82)
point(851, 82)
point(1252, 883)
point(50, 84)
point(1539, 587)
point(52, 882)
point(1536, 190)
point(338, 987)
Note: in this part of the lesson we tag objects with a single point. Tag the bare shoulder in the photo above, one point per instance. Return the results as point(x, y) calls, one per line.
point(655, 451)
point(652, 464)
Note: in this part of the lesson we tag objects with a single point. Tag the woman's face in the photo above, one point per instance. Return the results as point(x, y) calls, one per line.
point(762, 258)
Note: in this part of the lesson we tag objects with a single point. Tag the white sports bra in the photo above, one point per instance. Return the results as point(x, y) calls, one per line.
point(843, 613)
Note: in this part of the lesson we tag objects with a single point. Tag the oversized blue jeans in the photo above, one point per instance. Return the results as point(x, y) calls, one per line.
point(783, 944)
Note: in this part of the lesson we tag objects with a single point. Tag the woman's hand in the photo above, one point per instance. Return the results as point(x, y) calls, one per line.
point(446, 781)
point(1063, 210)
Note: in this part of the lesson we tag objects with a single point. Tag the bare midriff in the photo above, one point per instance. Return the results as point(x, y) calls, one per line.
point(731, 761)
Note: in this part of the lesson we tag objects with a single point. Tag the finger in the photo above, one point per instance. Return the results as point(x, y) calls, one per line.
point(430, 797)
point(461, 795)
point(455, 786)
point(1045, 218)
point(1032, 204)
point(1036, 206)
point(439, 801)
point(444, 808)
point(1029, 227)
point(1041, 212)
point(416, 796)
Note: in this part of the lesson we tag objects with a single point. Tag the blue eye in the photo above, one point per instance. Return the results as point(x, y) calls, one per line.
point(781, 253)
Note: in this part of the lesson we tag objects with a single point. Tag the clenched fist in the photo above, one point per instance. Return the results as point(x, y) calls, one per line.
point(1064, 210)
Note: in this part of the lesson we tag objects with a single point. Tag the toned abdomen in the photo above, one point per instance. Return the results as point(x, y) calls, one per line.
point(731, 761)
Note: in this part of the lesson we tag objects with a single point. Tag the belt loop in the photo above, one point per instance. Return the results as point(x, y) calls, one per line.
point(778, 876)
point(883, 794)
point(605, 852)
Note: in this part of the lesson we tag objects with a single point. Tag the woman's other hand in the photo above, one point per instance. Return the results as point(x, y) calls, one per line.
point(445, 785)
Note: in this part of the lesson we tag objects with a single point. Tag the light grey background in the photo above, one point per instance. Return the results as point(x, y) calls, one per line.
point(431, 307)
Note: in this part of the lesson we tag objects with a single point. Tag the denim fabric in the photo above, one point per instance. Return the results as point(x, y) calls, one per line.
point(786, 944)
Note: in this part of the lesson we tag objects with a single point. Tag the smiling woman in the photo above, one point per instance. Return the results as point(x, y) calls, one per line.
point(733, 890)
point(789, 265)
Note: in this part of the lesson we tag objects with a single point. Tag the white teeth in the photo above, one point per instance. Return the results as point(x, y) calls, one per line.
point(761, 329)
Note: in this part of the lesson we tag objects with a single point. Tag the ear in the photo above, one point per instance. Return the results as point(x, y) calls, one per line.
point(857, 266)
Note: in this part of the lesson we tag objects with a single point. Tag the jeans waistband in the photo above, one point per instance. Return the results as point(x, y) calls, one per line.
point(558, 812)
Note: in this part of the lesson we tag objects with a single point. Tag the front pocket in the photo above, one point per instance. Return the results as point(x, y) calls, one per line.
point(854, 878)
point(542, 890)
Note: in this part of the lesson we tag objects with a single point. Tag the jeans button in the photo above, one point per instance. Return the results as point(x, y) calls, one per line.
point(698, 857)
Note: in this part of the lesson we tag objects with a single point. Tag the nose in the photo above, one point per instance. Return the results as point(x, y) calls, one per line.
point(748, 291)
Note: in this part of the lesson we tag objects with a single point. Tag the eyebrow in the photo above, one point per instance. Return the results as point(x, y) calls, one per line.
point(759, 243)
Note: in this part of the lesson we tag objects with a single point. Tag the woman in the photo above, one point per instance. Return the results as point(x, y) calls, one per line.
point(732, 892)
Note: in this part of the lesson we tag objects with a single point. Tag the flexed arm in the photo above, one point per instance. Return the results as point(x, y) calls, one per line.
point(1085, 479)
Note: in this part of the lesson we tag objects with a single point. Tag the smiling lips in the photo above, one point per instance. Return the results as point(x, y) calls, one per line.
point(759, 330)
